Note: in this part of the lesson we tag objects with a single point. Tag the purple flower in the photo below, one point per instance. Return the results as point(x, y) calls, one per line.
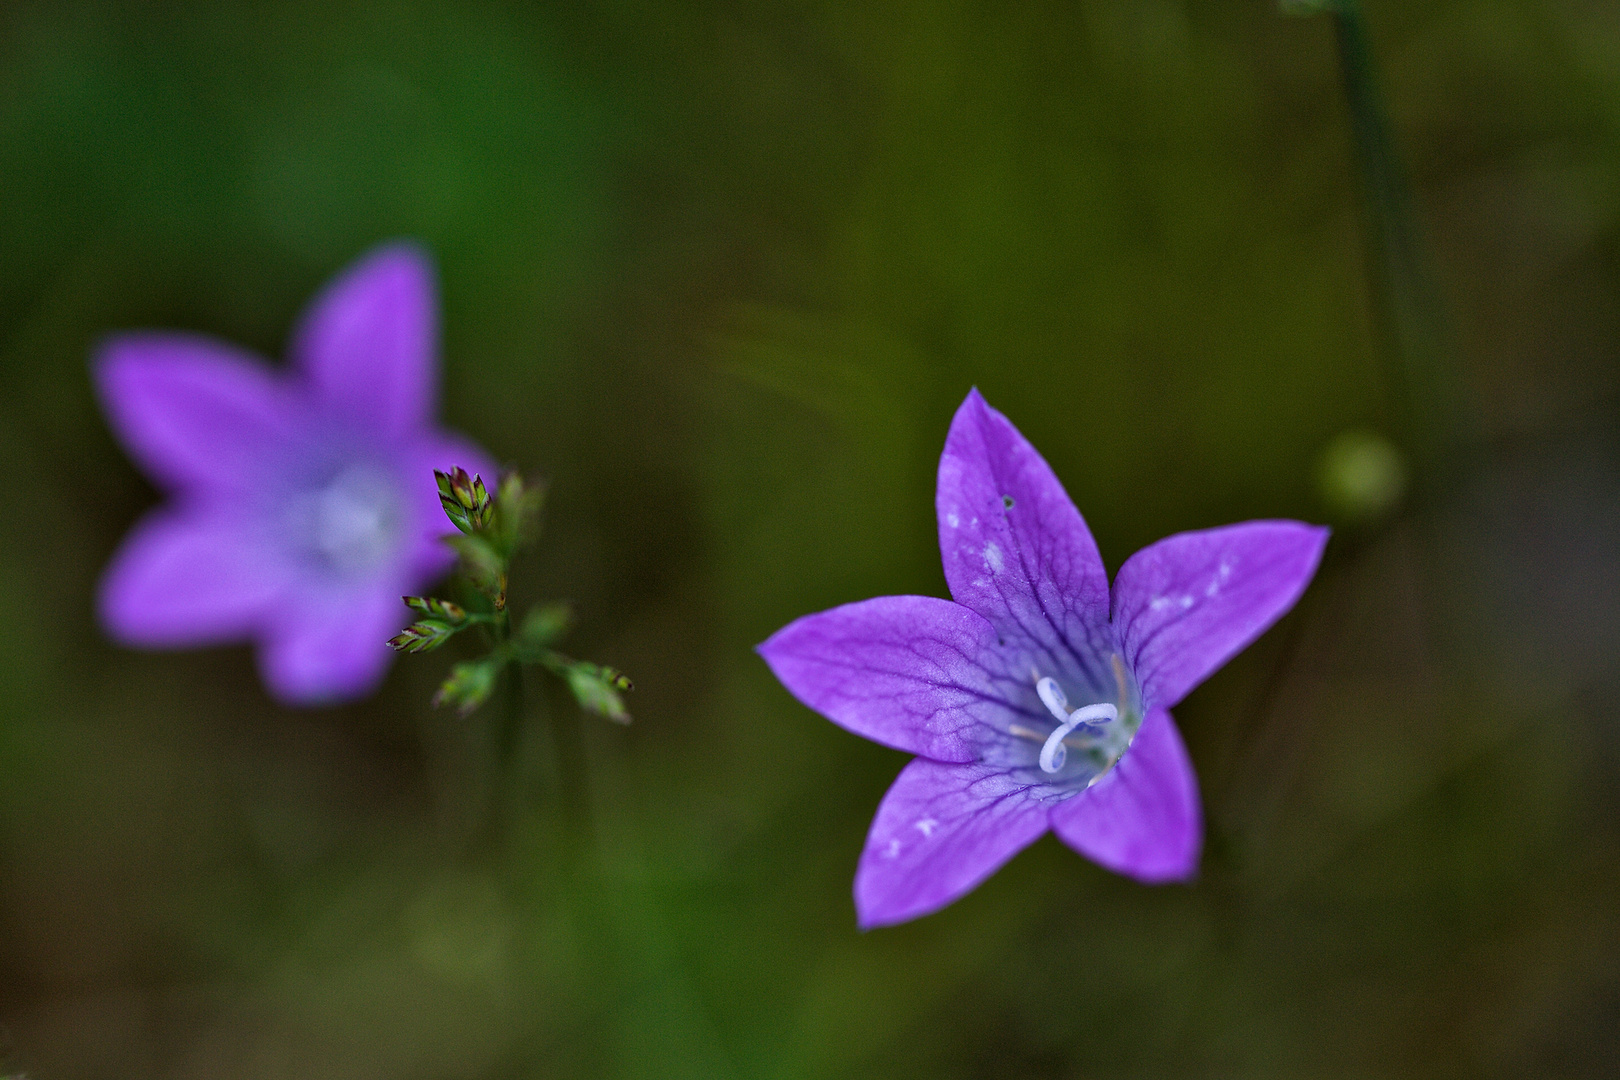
point(302, 502)
point(1038, 698)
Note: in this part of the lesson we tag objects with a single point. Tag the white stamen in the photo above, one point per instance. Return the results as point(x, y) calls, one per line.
point(1054, 753)
point(1053, 697)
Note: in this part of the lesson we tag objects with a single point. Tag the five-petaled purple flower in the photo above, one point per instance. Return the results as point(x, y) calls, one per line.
point(1038, 698)
point(302, 502)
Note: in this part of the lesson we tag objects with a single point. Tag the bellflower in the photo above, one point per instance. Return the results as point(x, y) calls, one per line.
point(1038, 698)
point(302, 502)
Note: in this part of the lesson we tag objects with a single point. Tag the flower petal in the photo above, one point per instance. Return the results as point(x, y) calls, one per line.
point(191, 411)
point(1143, 818)
point(369, 342)
point(329, 647)
point(1015, 548)
point(1189, 603)
point(906, 671)
point(187, 578)
point(942, 829)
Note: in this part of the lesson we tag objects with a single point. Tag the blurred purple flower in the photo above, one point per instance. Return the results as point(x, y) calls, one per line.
point(1036, 699)
point(303, 501)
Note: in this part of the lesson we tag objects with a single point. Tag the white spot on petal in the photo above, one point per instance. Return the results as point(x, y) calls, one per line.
point(893, 850)
point(1159, 603)
point(926, 826)
point(952, 520)
point(992, 556)
point(1186, 602)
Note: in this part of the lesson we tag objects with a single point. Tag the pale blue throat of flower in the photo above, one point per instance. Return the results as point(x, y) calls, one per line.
point(353, 523)
point(1101, 731)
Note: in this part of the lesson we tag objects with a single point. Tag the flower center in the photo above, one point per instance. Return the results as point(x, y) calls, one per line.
point(1053, 753)
point(354, 521)
point(1102, 731)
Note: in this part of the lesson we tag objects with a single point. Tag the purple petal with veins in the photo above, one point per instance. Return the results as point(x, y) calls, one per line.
point(1015, 548)
point(1189, 603)
point(941, 830)
point(905, 671)
point(1142, 818)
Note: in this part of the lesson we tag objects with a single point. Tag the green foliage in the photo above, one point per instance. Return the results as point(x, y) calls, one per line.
point(493, 530)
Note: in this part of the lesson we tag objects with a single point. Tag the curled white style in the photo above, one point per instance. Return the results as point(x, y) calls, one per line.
point(1054, 753)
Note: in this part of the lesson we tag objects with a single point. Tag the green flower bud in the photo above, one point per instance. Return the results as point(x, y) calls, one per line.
point(468, 686)
point(596, 688)
point(545, 624)
point(435, 608)
point(424, 635)
point(517, 505)
point(465, 500)
point(482, 565)
point(1361, 477)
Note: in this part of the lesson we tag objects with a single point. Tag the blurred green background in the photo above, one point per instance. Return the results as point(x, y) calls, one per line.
point(721, 271)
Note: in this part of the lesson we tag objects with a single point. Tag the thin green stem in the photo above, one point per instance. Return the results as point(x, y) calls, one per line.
point(508, 722)
point(510, 731)
point(1405, 298)
point(1410, 315)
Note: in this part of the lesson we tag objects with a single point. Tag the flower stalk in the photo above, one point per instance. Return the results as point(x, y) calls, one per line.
point(491, 530)
point(1405, 299)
